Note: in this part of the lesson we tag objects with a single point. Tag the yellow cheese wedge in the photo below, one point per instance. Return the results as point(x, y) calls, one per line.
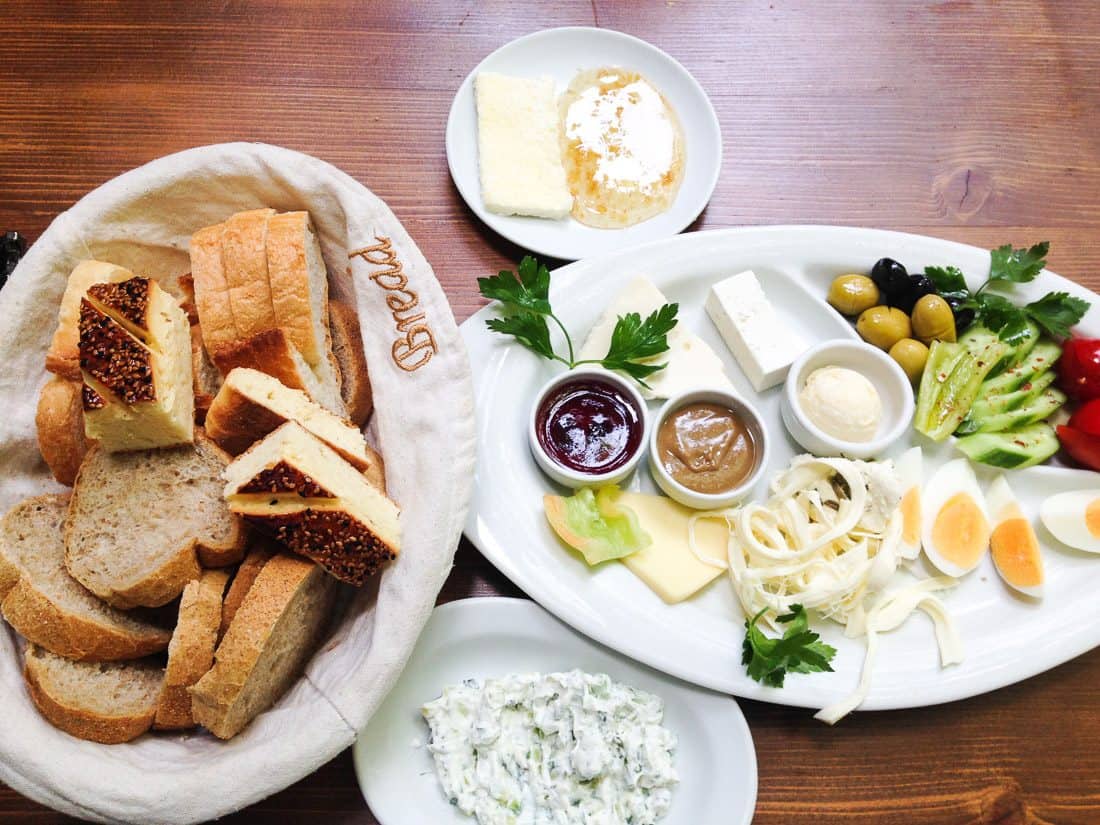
point(667, 565)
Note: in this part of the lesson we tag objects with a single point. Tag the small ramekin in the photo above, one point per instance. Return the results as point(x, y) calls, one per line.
point(894, 390)
point(693, 498)
point(573, 478)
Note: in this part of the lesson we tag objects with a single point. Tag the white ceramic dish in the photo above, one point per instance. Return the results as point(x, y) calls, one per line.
point(560, 54)
point(893, 387)
point(486, 637)
point(1007, 637)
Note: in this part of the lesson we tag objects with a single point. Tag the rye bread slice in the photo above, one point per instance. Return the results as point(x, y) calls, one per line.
point(106, 702)
point(140, 523)
point(50, 608)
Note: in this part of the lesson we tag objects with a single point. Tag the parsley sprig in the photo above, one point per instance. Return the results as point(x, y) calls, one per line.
point(1055, 312)
point(525, 300)
point(800, 650)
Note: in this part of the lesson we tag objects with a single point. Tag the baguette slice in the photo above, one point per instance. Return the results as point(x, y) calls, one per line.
point(47, 606)
point(191, 653)
point(244, 262)
point(105, 702)
point(273, 353)
point(347, 346)
point(295, 487)
point(243, 579)
point(273, 634)
point(252, 404)
point(59, 422)
point(63, 356)
point(211, 289)
point(140, 523)
point(135, 357)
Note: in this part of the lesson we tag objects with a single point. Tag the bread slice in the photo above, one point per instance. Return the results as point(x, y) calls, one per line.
point(347, 346)
point(140, 523)
point(48, 607)
point(297, 488)
point(191, 653)
point(186, 285)
point(59, 423)
point(206, 380)
point(273, 634)
point(244, 262)
point(63, 356)
point(135, 357)
point(271, 352)
point(211, 289)
point(252, 404)
point(105, 702)
point(258, 556)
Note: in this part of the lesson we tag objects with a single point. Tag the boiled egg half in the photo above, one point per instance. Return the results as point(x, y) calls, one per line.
point(1013, 544)
point(1074, 519)
point(955, 530)
point(910, 469)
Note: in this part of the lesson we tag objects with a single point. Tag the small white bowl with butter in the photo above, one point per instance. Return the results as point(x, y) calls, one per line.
point(846, 398)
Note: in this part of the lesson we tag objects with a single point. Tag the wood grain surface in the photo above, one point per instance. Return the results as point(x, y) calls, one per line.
point(976, 121)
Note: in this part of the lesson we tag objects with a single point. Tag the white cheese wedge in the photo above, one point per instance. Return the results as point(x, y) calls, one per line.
point(518, 147)
point(690, 362)
point(763, 345)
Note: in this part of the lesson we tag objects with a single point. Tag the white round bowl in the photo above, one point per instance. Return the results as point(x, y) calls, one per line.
point(693, 498)
point(894, 390)
point(573, 478)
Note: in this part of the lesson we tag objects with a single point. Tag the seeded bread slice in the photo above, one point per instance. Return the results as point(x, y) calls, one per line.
point(191, 653)
point(63, 357)
point(273, 634)
point(59, 422)
point(47, 606)
point(106, 702)
point(347, 346)
point(140, 523)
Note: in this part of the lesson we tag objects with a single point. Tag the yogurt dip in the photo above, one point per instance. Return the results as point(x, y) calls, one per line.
point(842, 403)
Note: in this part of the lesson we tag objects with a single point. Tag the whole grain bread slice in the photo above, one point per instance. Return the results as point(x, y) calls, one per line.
point(191, 653)
point(47, 606)
point(347, 346)
point(106, 702)
point(140, 523)
point(59, 422)
point(273, 634)
point(260, 553)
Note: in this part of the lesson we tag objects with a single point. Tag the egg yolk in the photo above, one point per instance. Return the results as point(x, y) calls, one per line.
point(1016, 553)
point(910, 516)
point(961, 532)
point(1092, 518)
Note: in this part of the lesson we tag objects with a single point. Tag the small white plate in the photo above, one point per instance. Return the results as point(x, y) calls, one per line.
point(560, 54)
point(488, 637)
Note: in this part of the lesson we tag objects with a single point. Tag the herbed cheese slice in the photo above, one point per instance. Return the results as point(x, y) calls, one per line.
point(518, 147)
point(690, 362)
point(667, 565)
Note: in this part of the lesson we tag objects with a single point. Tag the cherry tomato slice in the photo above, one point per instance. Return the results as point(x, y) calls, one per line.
point(1081, 447)
point(1087, 418)
point(1079, 368)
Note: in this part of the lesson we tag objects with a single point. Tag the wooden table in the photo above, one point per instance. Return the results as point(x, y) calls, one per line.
point(977, 121)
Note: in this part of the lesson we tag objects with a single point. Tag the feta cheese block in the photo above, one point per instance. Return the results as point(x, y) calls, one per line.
point(690, 363)
point(518, 148)
point(135, 360)
point(763, 345)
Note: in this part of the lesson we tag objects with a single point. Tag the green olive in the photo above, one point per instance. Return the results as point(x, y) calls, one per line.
point(911, 356)
point(852, 294)
point(933, 320)
point(883, 326)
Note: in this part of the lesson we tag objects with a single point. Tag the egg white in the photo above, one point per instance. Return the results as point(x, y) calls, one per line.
point(1064, 516)
point(952, 478)
point(910, 469)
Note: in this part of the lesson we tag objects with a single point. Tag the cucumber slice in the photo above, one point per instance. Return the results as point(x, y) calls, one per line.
point(1042, 357)
point(1013, 449)
point(987, 406)
point(942, 407)
point(1037, 409)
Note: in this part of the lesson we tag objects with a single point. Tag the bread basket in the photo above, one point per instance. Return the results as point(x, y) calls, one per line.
point(423, 425)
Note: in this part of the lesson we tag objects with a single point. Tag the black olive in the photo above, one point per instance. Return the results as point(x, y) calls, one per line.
point(891, 279)
point(963, 319)
point(11, 250)
point(919, 286)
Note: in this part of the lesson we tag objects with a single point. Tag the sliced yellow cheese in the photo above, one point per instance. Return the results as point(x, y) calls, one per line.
point(667, 565)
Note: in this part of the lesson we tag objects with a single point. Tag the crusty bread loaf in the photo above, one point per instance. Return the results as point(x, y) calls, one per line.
point(191, 653)
point(135, 359)
point(273, 634)
point(59, 422)
point(47, 606)
point(63, 356)
point(211, 289)
point(244, 262)
point(106, 702)
point(139, 523)
point(297, 488)
point(252, 404)
point(347, 346)
point(259, 554)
